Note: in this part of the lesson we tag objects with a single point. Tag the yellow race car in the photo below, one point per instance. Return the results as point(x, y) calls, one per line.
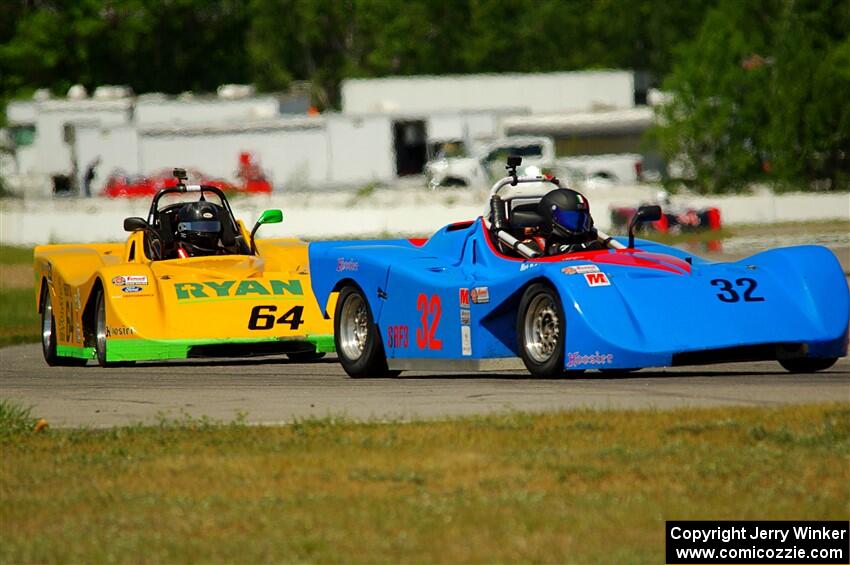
point(190, 281)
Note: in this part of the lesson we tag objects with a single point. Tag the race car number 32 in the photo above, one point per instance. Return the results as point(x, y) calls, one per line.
point(265, 318)
point(729, 294)
point(431, 310)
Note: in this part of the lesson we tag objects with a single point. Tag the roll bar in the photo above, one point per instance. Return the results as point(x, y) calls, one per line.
point(513, 181)
point(497, 210)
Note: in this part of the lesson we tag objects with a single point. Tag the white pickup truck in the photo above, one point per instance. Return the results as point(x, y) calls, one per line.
point(451, 166)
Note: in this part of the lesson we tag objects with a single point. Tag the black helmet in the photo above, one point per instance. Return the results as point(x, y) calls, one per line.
point(566, 213)
point(198, 227)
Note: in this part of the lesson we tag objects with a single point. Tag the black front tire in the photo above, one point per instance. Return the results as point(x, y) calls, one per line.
point(100, 330)
point(356, 336)
point(48, 336)
point(541, 331)
point(807, 364)
point(100, 341)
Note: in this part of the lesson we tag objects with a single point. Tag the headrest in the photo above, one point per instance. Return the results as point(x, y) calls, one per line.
point(525, 219)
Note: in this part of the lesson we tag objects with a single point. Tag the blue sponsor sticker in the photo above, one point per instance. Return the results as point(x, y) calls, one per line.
point(132, 289)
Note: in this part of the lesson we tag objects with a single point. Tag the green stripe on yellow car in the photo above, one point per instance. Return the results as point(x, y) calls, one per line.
point(158, 350)
point(74, 351)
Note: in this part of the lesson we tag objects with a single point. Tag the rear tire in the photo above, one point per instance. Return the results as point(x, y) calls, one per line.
point(358, 342)
point(541, 331)
point(48, 336)
point(807, 364)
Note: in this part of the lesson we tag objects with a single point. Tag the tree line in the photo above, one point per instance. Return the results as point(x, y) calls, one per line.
point(759, 85)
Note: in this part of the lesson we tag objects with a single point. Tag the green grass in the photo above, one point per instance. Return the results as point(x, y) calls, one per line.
point(15, 419)
point(582, 486)
point(14, 255)
point(19, 320)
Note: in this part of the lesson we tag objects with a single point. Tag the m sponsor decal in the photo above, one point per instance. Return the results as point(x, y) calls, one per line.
point(580, 269)
point(463, 295)
point(527, 266)
point(576, 359)
point(465, 317)
point(130, 289)
point(187, 291)
point(480, 295)
point(597, 279)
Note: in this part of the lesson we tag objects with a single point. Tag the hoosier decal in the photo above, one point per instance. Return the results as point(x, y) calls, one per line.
point(225, 289)
point(575, 359)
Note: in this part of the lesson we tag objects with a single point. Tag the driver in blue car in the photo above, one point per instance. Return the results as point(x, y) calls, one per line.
point(566, 227)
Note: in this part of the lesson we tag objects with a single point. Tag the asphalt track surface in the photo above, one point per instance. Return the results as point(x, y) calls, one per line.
point(274, 390)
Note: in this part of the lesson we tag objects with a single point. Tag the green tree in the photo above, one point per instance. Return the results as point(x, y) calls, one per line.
point(760, 95)
point(168, 46)
point(808, 136)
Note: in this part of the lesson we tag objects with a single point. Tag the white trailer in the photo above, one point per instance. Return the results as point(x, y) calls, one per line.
point(581, 91)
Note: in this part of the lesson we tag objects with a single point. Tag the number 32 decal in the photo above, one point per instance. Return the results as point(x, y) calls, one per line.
point(431, 311)
point(729, 294)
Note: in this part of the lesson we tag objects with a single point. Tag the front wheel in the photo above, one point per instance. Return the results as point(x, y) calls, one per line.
point(48, 336)
point(807, 364)
point(358, 342)
point(100, 330)
point(541, 331)
point(100, 342)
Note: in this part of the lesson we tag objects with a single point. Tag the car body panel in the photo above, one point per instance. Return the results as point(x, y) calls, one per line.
point(651, 306)
point(174, 308)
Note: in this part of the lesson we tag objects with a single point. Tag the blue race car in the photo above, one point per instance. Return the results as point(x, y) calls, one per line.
point(535, 281)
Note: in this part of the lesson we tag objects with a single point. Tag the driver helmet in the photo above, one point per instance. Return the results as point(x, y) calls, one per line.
point(566, 214)
point(198, 227)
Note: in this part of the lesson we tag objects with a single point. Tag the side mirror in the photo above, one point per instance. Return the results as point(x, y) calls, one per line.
point(267, 217)
point(135, 224)
point(643, 214)
point(270, 217)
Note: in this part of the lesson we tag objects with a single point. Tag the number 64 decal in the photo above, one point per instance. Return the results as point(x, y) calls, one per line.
point(729, 294)
point(431, 311)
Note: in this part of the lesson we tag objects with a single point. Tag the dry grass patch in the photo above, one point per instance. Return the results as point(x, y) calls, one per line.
point(573, 486)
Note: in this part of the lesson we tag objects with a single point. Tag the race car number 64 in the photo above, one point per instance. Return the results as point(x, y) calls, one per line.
point(262, 317)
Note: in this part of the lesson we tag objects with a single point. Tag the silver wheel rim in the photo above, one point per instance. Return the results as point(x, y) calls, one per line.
point(100, 327)
point(353, 327)
point(542, 328)
point(47, 322)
